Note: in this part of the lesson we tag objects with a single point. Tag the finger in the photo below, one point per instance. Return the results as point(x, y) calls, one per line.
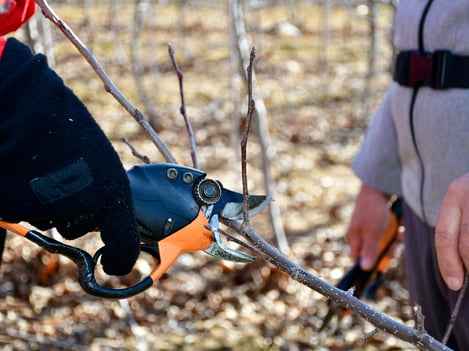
point(372, 241)
point(120, 236)
point(364, 244)
point(369, 254)
point(354, 241)
point(447, 245)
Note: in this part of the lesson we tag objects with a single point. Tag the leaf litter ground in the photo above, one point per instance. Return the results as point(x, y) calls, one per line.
point(313, 85)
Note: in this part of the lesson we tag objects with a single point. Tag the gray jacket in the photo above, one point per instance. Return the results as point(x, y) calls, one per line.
point(420, 166)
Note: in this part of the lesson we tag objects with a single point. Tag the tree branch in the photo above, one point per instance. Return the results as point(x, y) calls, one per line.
point(417, 337)
point(421, 340)
point(137, 65)
point(244, 139)
point(145, 159)
point(456, 309)
point(182, 109)
point(109, 86)
point(241, 37)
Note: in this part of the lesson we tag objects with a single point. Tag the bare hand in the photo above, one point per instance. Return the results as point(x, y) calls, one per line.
point(452, 233)
point(370, 219)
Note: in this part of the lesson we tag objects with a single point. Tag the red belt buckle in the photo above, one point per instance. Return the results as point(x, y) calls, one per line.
point(412, 68)
point(420, 68)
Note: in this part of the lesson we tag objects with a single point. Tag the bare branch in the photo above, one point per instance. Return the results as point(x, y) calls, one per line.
point(183, 107)
point(421, 340)
point(143, 158)
point(244, 140)
point(417, 337)
point(370, 334)
point(137, 64)
point(240, 33)
point(109, 86)
point(420, 320)
point(457, 307)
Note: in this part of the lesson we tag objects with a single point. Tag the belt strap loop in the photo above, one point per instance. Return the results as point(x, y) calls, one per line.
point(441, 60)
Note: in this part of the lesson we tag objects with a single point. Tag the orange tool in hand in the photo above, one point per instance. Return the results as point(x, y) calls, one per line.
point(177, 209)
point(365, 283)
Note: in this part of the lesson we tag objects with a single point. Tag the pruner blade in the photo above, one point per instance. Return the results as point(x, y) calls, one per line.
point(234, 209)
point(219, 249)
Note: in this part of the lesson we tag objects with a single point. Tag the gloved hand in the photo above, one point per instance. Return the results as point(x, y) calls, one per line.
point(58, 168)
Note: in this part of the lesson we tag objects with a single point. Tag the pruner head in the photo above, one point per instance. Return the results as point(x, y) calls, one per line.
point(214, 199)
point(229, 205)
point(168, 198)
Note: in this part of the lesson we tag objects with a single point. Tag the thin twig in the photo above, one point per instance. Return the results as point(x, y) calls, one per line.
point(145, 159)
point(369, 335)
point(420, 320)
point(237, 19)
point(244, 140)
point(182, 109)
point(457, 308)
point(109, 86)
point(137, 64)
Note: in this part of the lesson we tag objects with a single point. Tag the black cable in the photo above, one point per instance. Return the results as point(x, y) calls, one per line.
point(417, 151)
point(412, 106)
point(421, 24)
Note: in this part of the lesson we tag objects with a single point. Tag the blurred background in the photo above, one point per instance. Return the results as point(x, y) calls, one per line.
point(321, 69)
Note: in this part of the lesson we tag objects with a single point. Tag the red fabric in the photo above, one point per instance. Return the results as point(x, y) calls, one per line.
point(2, 45)
point(18, 13)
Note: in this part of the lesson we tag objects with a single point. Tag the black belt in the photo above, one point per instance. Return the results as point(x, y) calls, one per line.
point(440, 69)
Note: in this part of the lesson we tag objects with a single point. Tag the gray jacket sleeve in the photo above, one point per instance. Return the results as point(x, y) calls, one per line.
point(377, 162)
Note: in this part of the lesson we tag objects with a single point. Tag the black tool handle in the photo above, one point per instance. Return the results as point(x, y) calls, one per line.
point(86, 267)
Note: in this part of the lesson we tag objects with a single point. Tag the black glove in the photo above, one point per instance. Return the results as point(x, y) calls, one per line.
point(58, 169)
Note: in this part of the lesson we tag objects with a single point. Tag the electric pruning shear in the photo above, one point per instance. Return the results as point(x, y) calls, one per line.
point(177, 209)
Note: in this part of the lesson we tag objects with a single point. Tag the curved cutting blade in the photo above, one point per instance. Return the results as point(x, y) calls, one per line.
point(219, 249)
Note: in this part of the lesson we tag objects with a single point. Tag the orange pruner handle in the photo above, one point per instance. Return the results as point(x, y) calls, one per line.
point(389, 237)
point(193, 237)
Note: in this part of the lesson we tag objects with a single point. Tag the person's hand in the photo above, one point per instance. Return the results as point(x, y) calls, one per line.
point(452, 233)
point(58, 167)
point(370, 219)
